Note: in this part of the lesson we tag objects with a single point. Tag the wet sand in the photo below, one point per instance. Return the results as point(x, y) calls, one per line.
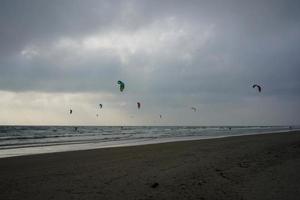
point(246, 167)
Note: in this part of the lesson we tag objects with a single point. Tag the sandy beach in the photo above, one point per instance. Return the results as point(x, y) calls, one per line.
point(245, 167)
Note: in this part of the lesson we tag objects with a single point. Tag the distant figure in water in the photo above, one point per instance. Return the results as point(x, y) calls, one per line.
point(71, 111)
point(75, 128)
point(290, 127)
point(229, 128)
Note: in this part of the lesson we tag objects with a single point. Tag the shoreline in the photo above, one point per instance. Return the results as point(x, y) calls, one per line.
point(264, 166)
point(90, 145)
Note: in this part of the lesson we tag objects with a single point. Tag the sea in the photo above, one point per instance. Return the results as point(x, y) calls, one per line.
point(28, 140)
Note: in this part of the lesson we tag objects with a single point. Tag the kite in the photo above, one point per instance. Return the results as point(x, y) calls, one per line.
point(258, 87)
point(122, 85)
point(194, 109)
point(138, 105)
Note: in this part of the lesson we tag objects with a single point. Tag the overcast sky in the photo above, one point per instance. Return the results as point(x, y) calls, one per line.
point(172, 55)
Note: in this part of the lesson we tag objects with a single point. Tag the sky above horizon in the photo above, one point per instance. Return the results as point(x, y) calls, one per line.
point(172, 55)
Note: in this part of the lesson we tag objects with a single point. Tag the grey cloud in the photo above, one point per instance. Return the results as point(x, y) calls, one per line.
point(250, 42)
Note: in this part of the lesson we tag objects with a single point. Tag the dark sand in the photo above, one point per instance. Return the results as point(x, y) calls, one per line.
point(246, 167)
